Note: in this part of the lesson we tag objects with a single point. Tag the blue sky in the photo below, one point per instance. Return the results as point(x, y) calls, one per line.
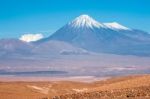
point(18, 17)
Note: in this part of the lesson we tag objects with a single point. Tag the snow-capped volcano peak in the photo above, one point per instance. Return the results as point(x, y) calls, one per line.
point(115, 25)
point(85, 21)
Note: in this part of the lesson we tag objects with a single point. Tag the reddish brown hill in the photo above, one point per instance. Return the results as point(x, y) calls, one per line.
point(137, 87)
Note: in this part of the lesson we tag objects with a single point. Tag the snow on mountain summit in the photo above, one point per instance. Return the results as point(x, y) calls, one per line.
point(116, 26)
point(85, 21)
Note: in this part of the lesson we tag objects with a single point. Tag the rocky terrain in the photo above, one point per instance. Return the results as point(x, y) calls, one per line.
point(136, 87)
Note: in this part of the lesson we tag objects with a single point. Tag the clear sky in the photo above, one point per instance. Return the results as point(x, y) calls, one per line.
point(18, 17)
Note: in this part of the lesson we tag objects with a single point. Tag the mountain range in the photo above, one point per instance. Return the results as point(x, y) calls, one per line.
point(83, 35)
point(82, 47)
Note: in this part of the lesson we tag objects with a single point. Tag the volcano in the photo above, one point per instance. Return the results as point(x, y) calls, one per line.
point(85, 32)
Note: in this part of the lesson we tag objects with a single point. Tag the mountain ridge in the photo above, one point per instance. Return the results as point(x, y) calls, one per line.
point(86, 33)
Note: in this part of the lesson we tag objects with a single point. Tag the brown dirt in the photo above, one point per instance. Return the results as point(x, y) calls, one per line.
point(137, 87)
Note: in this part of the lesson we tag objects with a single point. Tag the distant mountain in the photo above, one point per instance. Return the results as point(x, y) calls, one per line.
point(54, 47)
point(83, 47)
point(83, 35)
point(87, 33)
point(17, 48)
point(10, 47)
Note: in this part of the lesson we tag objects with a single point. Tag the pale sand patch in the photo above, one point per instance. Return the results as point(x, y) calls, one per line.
point(80, 90)
point(34, 79)
point(43, 90)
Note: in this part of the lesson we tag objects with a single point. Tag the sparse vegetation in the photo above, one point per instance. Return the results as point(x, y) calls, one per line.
point(137, 87)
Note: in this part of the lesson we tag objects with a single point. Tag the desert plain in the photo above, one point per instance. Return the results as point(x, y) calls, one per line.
point(127, 87)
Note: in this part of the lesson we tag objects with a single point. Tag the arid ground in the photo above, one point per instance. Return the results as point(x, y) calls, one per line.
point(136, 87)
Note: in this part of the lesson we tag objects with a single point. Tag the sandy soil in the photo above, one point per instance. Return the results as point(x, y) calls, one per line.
point(137, 87)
